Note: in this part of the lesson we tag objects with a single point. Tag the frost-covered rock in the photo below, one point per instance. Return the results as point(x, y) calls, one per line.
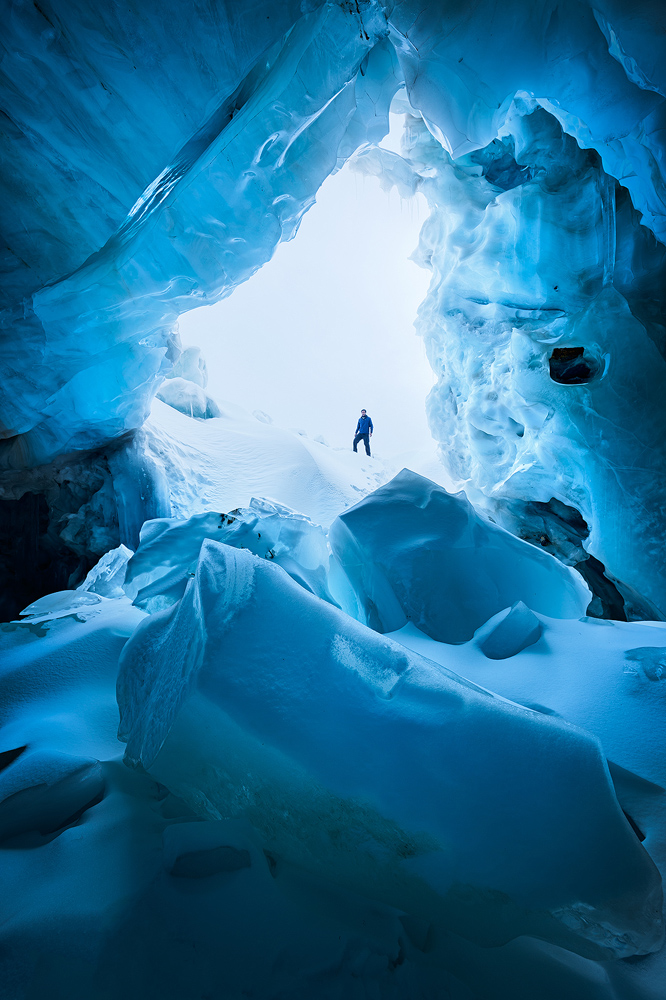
point(414, 552)
point(379, 770)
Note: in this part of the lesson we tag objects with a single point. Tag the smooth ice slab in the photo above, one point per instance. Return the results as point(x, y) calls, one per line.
point(378, 769)
point(413, 551)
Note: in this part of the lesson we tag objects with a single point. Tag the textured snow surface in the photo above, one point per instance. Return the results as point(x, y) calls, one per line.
point(331, 719)
point(320, 810)
point(221, 464)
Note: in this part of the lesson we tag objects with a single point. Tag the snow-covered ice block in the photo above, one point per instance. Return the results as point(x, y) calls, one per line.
point(107, 576)
point(188, 397)
point(414, 552)
point(506, 634)
point(167, 555)
point(606, 677)
point(380, 770)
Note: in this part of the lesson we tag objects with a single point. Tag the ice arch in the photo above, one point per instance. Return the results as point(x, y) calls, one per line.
point(152, 160)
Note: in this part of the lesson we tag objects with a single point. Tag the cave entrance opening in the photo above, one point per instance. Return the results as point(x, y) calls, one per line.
point(326, 326)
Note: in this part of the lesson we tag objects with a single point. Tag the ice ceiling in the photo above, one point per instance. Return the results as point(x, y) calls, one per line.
point(152, 161)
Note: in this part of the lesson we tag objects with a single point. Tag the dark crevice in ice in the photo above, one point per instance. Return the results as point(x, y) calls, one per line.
point(499, 166)
point(33, 559)
point(634, 826)
point(562, 531)
point(571, 366)
point(608, 601)
point(8, 757)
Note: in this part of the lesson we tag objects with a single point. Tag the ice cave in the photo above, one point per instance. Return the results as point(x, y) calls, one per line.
point(279, 720)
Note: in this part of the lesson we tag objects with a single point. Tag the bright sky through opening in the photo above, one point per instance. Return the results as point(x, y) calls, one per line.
point(326, 327)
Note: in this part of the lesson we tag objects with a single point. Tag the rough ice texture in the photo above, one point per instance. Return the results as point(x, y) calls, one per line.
point(154, 161)
point(188, 397)
point(208, 138)
point(253, 699)
point(544, 326)
point(414, 552)
point(108, 575)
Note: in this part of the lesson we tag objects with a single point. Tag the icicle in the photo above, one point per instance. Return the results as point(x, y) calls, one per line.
point(607, 190)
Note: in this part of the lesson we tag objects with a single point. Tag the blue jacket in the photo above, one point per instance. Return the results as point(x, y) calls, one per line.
point(364, 425)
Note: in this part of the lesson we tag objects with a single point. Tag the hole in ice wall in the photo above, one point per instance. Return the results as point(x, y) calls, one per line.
point(572, 366)
point(326, 326)
point(562, 531)
point(499, 165)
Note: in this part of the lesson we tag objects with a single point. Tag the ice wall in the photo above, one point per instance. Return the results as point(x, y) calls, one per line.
point(543, 324)
point(203, 207)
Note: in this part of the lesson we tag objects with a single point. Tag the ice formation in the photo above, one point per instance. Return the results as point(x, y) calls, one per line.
point(413, 551)
point(200, 156)
point(168, 552)
point(286, 751)
point(377, 768)
point(473, 805)
point(543, 328)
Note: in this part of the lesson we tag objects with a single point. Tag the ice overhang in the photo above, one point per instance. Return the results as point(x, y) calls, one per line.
point(154, 160)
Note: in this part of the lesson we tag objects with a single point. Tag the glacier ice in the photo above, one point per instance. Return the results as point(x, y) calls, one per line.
point(182, 164)
point(188, 397)
point(414, 552)
point(509, 632)
point(108, 575)
point(544, 326)
point(162, 187)
point(267, 131)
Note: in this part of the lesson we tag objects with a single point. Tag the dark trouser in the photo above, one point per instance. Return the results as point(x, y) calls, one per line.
point(365, 438)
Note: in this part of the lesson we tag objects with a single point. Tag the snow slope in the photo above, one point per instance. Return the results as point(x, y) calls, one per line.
point(221, 463)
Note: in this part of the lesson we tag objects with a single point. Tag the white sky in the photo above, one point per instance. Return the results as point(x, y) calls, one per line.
point(325, 327)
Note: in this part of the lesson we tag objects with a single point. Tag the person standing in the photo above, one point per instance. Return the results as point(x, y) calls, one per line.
point(364, 431)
